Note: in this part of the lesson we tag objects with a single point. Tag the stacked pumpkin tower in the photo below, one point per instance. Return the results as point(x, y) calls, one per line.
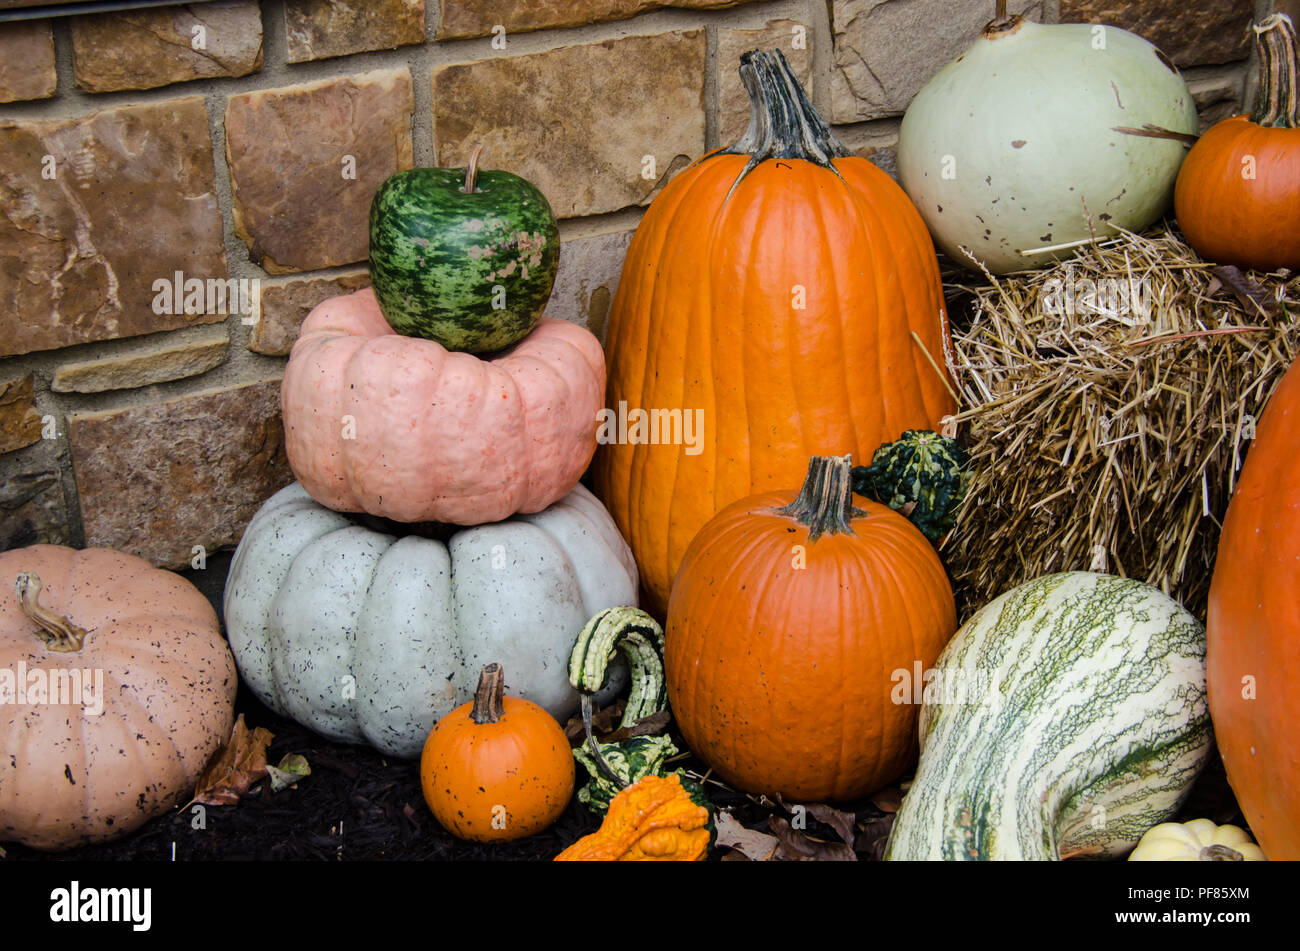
point(438, 426)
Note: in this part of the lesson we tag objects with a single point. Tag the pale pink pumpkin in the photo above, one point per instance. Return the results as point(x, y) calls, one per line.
point(402, 428)
point(89, 770)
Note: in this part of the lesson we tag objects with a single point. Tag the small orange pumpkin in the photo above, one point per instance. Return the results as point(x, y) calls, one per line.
point(1238, 192)
point(497, 768)
point(789, 625)
point(653, 820)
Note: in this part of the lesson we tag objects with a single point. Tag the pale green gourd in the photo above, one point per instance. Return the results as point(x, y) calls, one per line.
point(1014, 146)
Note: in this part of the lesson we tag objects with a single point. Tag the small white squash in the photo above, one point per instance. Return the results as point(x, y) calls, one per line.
point(368, 636)
point(1197, 841)
point(1014, 146)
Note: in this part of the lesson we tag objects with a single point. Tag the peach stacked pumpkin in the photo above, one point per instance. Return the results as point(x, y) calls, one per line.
point(402, 428)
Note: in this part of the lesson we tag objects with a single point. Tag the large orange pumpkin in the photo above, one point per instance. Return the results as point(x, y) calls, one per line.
point(1253, 630)
point(100, 764)
point(791, 627)
point(1238, 192)
point(785, 291)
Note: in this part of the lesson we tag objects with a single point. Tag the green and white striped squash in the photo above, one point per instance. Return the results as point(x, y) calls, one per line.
point(1066, 718)
point(641, 640)
point(630, 761)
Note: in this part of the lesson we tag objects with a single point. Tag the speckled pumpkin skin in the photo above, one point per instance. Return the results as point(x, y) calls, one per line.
point(401, 428)
point(70, 779)
point(368, 637)
point(521, 764)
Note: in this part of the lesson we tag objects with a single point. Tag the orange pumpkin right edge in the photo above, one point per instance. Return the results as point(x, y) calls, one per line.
point(1253, 630)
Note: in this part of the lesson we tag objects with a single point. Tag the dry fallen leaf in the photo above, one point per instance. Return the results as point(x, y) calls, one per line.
point(798, 846)
point(1246, 290)
point(755, 845)
point(289, 770)
point(888, 799)
point(235, 767)
point(839, 820)
point(603, 721)
point(874, 837)
point(646, 726)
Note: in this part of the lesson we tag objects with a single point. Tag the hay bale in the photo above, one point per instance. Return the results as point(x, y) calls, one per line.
point(1107, 429)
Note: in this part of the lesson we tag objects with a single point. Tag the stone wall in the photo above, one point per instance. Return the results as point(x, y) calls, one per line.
point(243, 140)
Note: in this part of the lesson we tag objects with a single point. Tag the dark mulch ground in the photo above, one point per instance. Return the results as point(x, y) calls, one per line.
point(355, 805)
point(360, 805)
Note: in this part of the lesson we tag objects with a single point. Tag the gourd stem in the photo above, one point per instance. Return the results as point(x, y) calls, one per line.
point(1279, 74)
point(782, 121)
point(595, 747)
point(471, 170)
point(825, 503)
point(55, 631)
point(1220, 853)
point(489, 699)
point(1002, 21)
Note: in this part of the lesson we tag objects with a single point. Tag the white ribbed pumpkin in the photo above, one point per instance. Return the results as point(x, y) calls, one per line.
point(368, 637)
point(1199, 840)
point(1013, 146)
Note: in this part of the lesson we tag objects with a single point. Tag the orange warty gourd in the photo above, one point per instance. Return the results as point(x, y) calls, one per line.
point(497, 768)
point(101, 765)
point(788, 624)
point(1253, 630)
point(789, 292)
point(1238, 192)
point(653, 820)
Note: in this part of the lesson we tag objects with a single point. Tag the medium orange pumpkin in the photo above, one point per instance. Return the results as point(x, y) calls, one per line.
point(1253, 630)
point(1238, 192)
point(790, 623)
point(786, 290)
point(98, 767)
point(496, 768)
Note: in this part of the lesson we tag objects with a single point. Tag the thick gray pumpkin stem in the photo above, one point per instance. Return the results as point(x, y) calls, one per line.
point(782, 121)
point(825, 503)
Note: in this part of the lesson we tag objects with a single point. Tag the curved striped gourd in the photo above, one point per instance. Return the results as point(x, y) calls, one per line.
point(629, 761)
point(1067, 717)
point(641, 640)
